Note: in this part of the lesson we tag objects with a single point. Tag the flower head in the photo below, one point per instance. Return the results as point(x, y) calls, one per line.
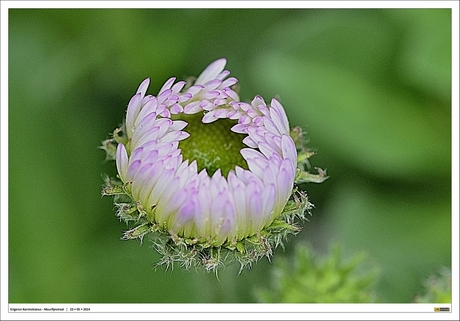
point(205, 172)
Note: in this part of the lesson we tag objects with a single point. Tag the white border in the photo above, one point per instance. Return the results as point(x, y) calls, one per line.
point(455, 155)
point(229, 311)
point(275, 4)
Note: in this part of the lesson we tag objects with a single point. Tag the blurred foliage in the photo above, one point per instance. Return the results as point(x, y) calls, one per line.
point(306, 278)
point(437, 288)
point(371, 87)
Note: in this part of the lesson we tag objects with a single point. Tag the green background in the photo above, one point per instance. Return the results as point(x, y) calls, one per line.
point(372, 88)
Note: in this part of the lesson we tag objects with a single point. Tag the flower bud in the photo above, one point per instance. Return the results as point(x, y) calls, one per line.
point(205, 174)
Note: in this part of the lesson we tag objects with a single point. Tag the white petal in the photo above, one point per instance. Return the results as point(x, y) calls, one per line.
point(257, 166)
point(258, 121)
point(206, 105)
point(244, 106)
point(225, 224)
point(236, 115)
point(143, 125)
point(209, 117)
point(203, 217)
point(284, 184)
point(148, 108)
point(223, 74)
point(160, 183)
point(172, 99)
point(211, 72)
point(219, 102)
point(122, 161)
point(178, 87)
point(143, 87)
point(164, 124)
point(192, 108)
point(184, 215)
point(268, 203)
point(229, 82)
point(133, 110)
point(249, 142)
point(266, 149)
point(256, 133)
point(254, 205)
point(178, 125)
point(133, 167)
point(187, 175)
point(185, 97)
point(240, 128)
point(174, 136)
point(237, 189)
point(145, 136)
point(146, 187)
point(288, 148)
point(211, 85)
point(249, 153)
point(274, 141)
point(231, 94)
point(279, 116)
point(176, 109)
point(169, 201)
point(193, 90)
point(270, 126)
point(164, 95)
point(139, 179)
point(270, 174)
point(167, 85)
point(244, 119)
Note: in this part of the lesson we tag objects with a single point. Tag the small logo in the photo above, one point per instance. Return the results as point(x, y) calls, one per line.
point(445, 309)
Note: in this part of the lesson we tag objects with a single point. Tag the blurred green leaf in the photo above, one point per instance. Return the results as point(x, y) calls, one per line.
point(437, 287)
point(384, 134)
point(425, 55)
point(403, 230)
point(325, 83)
point(306, 278)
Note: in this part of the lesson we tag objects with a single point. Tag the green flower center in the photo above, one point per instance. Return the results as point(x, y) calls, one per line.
point(213, 145)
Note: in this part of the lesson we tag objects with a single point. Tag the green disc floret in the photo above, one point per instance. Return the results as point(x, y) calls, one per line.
point(212, 145)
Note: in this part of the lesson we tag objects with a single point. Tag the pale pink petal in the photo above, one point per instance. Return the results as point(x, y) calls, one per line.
point(122, 161)
point(211, 72)
point(143, 87)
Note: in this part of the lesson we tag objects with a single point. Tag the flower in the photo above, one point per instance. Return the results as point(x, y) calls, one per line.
point(205, 171)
